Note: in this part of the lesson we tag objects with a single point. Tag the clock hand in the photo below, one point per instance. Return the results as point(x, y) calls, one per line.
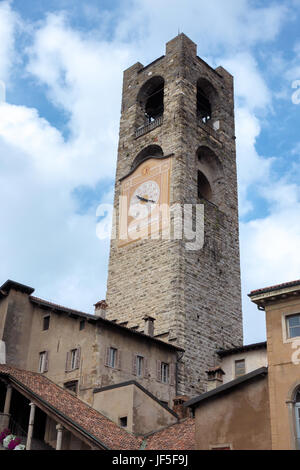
point(144, 199)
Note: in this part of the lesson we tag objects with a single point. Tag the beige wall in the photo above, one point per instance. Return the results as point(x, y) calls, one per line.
point(239, 420)
point(284, 375)
point(17, 327)
point(115, 404)
point(25, 339)
point(128, 347)
point(253, 360)
point(62, 336)
point(144, 414)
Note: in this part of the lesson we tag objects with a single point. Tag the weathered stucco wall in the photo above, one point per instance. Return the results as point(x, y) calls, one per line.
point(239, 419)
point(26, 339)
point(144, 415)
point(253, 360)
point(284, 375)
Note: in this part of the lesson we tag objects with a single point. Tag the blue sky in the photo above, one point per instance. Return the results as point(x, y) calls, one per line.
point(62, 62)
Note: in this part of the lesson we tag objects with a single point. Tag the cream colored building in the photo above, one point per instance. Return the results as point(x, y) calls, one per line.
point(84, 353)
point(259, 409)
point(282, 307)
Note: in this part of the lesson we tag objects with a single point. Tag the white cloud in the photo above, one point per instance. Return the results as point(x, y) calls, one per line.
point(213, 25)
point(46, 243)
point(8, 24)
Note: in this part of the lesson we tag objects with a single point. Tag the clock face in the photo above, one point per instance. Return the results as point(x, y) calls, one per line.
point(147, 194)
point(144, 193)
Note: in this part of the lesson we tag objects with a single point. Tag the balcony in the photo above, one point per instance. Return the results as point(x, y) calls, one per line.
point(149, 126)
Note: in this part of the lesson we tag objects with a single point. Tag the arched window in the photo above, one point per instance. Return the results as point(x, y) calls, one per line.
point(147, 152)
point(150, 101)
point(204, 189)
point(206, 97)
point(209, 176)
point(297, 417)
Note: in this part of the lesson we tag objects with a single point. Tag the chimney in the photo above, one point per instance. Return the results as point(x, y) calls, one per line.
point(182, 411)
point(100, 308)
point(214, 377)
point(149, 325)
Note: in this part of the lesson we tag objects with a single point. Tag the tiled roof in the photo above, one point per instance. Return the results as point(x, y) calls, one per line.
point(194, 402)
point(276, 287)
point(104, 321)
point(180, 436)
point(238, 349)
point(74, 410)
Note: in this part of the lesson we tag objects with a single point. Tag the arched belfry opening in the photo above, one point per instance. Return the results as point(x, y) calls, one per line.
point(204, 188)
point(147, 152)
point(209, 175)
point(206, 100)
point(150, 101)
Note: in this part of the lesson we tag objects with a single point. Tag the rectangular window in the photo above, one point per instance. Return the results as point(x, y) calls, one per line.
point(293, 326)
point(123, 422)
point(81, 325)
point(74, 359)
point(71, 386)
point(43, 362)
point(139, 366)
point(112, 359)
point(240, 368)
point(164, 373)
point(46, 322)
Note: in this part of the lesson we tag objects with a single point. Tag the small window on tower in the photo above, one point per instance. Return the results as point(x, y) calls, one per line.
point(204, 189)
point(155, 103)
point(206, 100)
point(203, 106)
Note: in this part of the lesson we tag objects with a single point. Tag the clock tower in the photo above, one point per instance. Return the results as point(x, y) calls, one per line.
point(177, 151)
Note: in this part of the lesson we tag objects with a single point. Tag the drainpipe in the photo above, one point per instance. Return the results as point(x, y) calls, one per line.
point(179, 357)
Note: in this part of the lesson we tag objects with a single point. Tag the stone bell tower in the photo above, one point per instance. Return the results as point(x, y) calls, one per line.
point(177, 146)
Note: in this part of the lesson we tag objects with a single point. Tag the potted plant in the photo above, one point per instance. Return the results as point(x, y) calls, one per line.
point(20, 447)
point(3, 434)
point(7, 440)
point(14, 443)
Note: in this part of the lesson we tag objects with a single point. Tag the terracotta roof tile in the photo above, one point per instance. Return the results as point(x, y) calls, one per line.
point(275, 287)
point(180, 436)
point(93, 422)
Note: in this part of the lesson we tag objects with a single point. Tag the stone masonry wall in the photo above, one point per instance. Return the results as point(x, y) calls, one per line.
point(194, 295)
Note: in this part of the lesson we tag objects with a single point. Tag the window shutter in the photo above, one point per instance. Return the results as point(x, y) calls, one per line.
point(119, 359)
point(134, 355)
point(68, 359)
point(172, 373)
point(46, 363)
point(146, 371)
point(107, 357)
point(78, 354)
point(158, 371)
